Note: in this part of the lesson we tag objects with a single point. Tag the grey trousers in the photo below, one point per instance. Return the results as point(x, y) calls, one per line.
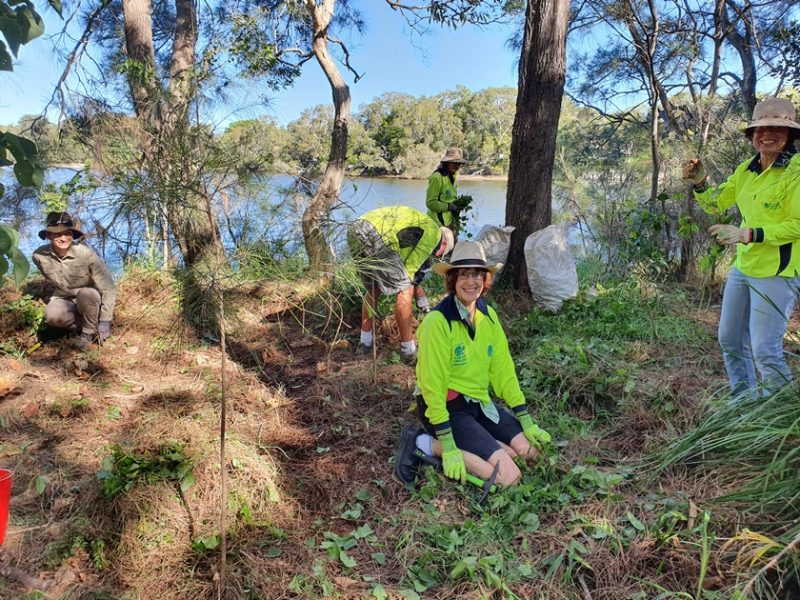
point(79, 314)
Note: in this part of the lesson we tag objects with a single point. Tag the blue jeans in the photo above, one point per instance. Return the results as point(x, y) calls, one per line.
point(755, 314)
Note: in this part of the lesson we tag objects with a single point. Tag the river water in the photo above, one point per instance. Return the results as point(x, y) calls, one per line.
point(255, 212)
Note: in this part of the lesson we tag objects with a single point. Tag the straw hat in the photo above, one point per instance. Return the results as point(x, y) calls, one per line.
point(775, 112)
point(467, 255)
point(453, 155)
point(59, 222)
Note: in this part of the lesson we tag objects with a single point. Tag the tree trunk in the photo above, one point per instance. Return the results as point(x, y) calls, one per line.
point(142, 79)
point(318, 212)
point(745, 46)
point(542, 69)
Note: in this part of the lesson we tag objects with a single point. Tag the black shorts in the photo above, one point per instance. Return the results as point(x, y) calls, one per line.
point(472, 431)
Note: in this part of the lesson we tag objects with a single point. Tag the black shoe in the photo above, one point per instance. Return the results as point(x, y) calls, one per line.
point(83, 340)
point(363, 349)
point(407, 461)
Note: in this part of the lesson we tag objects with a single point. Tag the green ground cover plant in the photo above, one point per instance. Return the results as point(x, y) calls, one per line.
point(653, 488)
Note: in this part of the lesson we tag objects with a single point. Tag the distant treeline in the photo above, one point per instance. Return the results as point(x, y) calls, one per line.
point(395, 134)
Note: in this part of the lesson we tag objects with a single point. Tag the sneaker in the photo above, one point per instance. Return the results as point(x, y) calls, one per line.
point(83, 340)
point(364, 349)
point(407, 462)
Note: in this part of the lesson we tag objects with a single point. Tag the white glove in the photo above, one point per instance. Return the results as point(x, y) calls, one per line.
point(694, 171)
point(731, 234)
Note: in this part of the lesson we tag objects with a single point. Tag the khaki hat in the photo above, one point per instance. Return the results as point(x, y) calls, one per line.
point(59, 222)
point(774, 112)
point(453, 155)
point(466, 255)
point(449, 240)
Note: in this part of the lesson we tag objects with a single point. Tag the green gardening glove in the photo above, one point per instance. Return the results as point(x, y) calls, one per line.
point(537, 436)
point(452, 459)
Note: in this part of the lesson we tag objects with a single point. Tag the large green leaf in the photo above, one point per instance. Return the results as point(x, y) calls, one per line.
point(24, 26)
point(22, 148)
point(5, 58)
point(23, 169)
point(3, 265)
point(56, 6)
point(6, 241)
point(21, 266)
point(12, 235)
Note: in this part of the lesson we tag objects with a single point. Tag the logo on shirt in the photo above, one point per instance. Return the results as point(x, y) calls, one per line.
point(460, 358)
point(490, 351)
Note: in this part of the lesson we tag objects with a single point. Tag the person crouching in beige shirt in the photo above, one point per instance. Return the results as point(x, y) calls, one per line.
point(85, 293)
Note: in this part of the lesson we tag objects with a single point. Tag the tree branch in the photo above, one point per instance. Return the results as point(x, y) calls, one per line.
point(346, 52)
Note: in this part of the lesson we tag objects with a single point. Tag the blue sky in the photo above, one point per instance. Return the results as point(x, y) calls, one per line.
point(391, 59)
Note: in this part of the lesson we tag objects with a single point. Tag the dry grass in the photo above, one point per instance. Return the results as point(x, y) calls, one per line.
point(311, 429)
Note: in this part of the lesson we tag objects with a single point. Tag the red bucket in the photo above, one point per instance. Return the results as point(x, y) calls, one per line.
point(6, 479)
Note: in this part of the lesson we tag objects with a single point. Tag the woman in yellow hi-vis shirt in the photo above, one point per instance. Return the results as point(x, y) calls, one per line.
point(763, 284)
point(462, 351)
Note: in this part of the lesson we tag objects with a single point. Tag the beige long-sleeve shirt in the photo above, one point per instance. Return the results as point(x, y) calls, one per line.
point(80, 268)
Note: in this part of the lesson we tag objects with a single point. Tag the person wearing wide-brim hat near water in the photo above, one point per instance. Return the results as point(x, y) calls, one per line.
point(440, 200)
point(85, 293)
point(462, 351)
point(763, 284)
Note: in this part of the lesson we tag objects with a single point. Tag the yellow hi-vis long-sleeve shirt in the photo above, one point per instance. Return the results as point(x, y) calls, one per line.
point(769, 201)
point(467, 359)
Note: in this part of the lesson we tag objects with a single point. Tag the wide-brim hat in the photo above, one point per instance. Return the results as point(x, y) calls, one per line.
point(466, 255)
point(774, 112)
point(59, 222)
point(453, 155)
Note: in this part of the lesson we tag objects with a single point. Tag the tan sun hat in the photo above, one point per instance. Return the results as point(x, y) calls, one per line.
point(774, 112)
point(59, 222)
point(453, 155)
point(466, 255)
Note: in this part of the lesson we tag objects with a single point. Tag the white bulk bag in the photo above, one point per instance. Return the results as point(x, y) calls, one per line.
point(496, 242)
point(551, 269)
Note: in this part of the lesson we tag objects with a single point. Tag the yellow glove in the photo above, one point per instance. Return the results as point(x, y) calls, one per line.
point(731, 234)
point(537, 436)
point(452, 459)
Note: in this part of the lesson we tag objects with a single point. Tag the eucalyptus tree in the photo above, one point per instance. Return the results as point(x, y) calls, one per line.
point(280, 36)
point(487, 117)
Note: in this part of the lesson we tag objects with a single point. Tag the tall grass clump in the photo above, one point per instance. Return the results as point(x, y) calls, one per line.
point(754, 448)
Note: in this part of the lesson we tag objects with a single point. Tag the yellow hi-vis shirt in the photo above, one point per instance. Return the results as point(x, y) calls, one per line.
point(769, 201)
point(455, 355)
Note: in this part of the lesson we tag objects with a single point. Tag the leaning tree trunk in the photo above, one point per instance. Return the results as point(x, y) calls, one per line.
point(318, 213)
point(542, 69)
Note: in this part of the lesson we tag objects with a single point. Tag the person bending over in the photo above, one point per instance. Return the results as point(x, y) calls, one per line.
point(390, 245)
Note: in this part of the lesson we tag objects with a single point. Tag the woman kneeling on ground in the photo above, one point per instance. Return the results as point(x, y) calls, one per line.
point(462, 350)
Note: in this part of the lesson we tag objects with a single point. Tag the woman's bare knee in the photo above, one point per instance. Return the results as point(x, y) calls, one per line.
point(508, 472)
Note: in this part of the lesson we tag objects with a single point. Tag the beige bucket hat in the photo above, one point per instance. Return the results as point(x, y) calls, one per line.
point(466, 255)
point(774, 112)
point(453, 155)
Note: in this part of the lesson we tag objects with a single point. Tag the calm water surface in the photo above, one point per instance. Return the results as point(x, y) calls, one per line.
point(358, 196)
